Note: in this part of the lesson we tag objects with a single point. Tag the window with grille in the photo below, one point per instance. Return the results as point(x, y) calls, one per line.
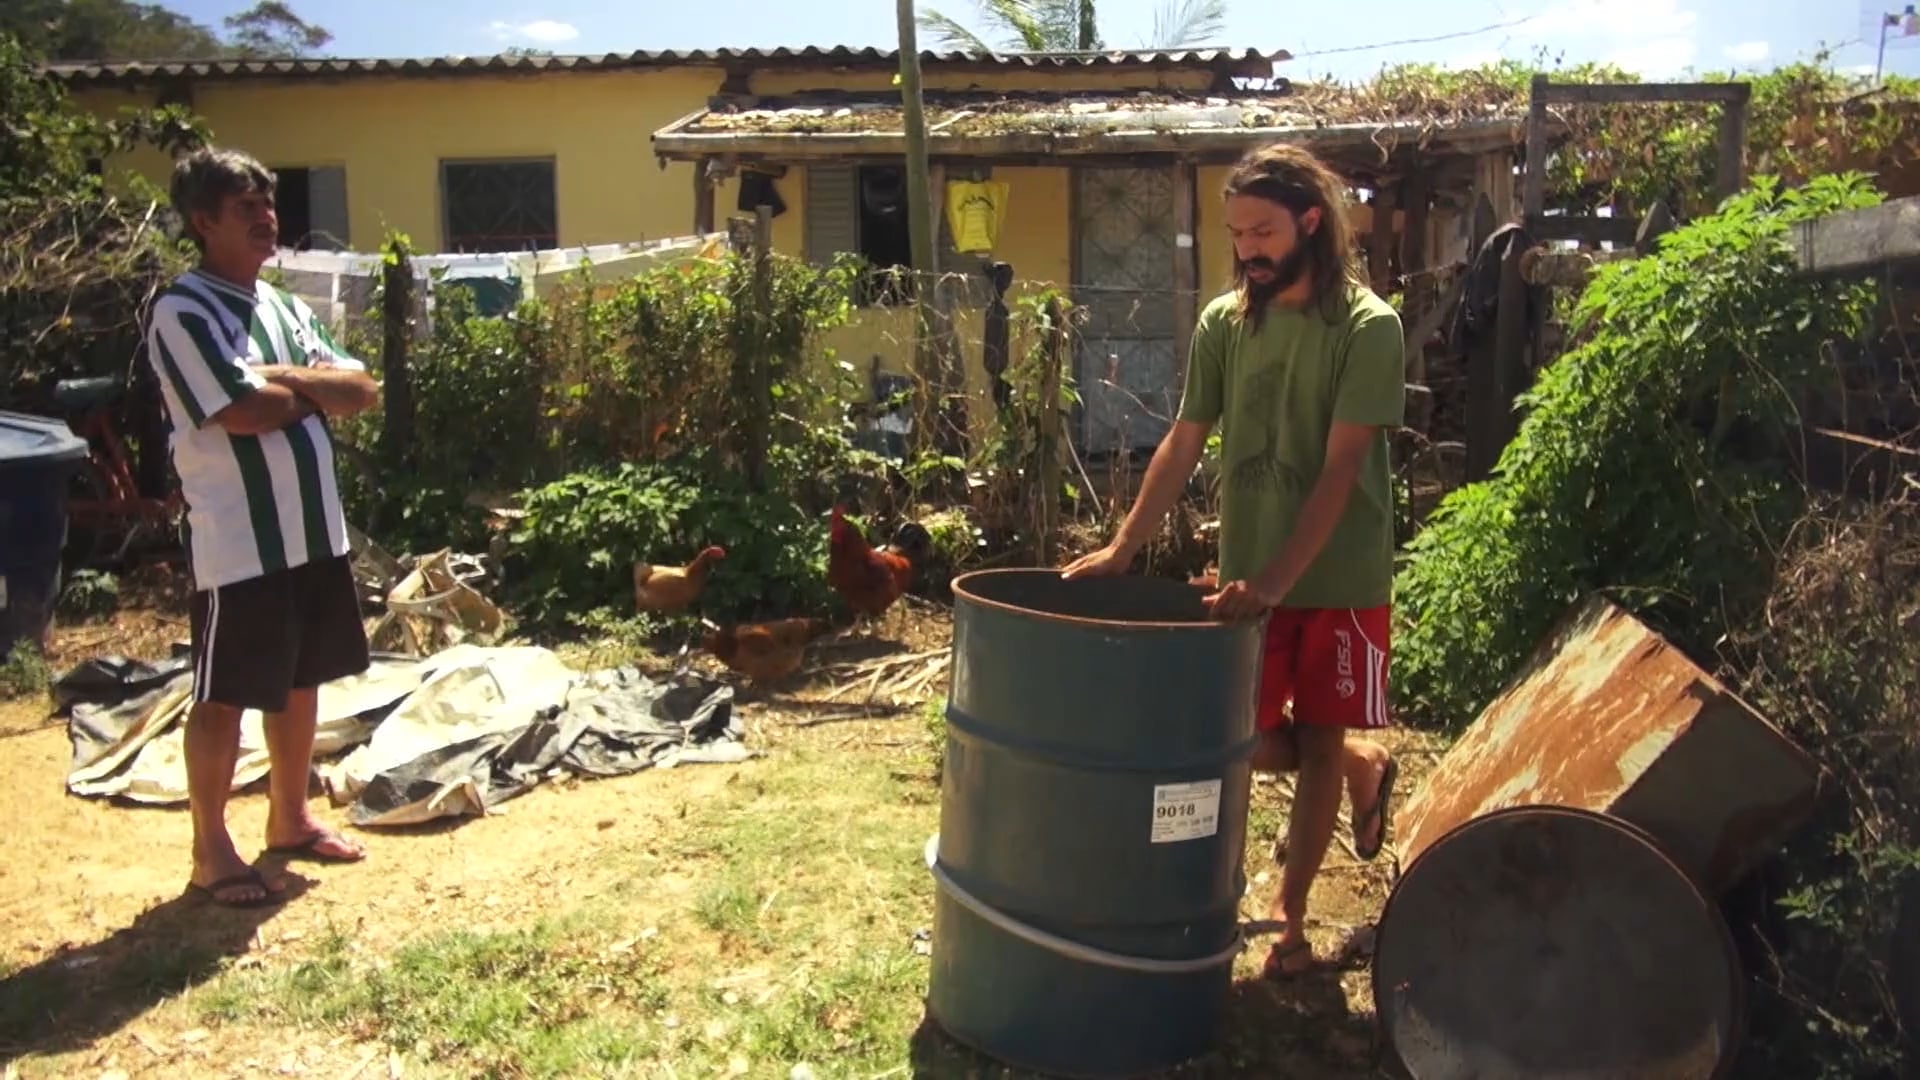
point(499, 205)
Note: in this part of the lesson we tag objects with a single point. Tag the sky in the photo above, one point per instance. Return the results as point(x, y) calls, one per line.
point(1658, 38)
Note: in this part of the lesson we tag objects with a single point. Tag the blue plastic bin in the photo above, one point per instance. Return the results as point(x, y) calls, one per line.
point(37, 457)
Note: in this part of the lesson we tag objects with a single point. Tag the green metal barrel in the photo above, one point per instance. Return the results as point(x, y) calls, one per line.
point(1092, 821)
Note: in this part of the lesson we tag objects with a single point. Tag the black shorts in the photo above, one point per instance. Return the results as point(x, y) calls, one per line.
point(294, 629)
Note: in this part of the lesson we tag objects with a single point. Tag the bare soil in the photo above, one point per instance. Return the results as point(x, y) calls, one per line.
point(99, 944)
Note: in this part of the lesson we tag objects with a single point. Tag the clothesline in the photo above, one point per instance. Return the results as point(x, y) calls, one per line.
point(339, 284)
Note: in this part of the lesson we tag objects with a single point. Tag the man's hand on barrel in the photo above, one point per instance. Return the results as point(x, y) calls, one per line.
point(1112, 559)
point(1244, 599)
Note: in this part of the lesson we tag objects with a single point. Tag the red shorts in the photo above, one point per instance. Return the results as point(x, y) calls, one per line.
point(1329, 664)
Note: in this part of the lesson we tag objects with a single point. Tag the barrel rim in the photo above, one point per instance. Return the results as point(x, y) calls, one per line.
point(1729, 949)
point(1208, 626)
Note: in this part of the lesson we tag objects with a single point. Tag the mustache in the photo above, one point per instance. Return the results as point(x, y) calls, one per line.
point(1260, 262)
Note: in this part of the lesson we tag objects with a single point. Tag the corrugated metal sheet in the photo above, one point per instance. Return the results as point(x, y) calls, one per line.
point(1248, 62)
point(1611, 718)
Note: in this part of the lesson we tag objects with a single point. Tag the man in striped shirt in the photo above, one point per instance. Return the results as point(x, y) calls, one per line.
point(249, 377)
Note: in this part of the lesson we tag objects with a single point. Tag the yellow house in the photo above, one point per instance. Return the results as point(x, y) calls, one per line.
point(1095, 173)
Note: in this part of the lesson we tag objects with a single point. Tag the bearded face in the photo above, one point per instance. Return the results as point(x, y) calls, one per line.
point(1270, 253)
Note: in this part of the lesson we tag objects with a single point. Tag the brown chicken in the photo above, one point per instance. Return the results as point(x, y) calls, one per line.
point(765, 651)
point(673, 588)
point(871, 580)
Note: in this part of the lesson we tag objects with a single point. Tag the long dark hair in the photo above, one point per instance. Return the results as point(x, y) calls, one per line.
point(1290, 177)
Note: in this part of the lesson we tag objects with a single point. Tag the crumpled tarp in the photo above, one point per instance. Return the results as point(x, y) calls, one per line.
point(455, 733)
point(127, 725)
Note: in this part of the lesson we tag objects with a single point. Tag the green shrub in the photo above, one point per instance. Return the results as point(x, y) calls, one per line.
point(24, 672)
point(574, 551)
point(655, 368)
point(1649, 465)
point(89, 594)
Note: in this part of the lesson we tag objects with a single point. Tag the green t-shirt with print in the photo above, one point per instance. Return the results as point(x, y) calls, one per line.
point(1274, 395)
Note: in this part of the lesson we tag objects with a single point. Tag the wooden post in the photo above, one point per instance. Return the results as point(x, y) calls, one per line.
point(920, 229)
point(996, 350)
point(702, 198)
point(1730, 174)
point(1485, 220)
point(1186, 260)
point(1416, 192)
point(1429, 322)
point(1510, 358)
point(396, 317)
point(936, 209)
point(1535, 200)
point(1047, 472)
point(760, 370)
point(1496, 365)
point(951, 437)
point(1380, 247)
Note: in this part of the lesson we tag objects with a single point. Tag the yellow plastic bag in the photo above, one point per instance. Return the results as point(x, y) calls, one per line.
point(975, 211)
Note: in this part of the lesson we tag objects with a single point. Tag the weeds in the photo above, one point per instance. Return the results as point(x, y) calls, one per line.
point(1834, 659)
point(89, 594)
point(25, 672)
point(797, 948)
point(547, 1001)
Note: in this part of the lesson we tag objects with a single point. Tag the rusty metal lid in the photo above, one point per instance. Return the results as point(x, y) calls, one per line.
point(1549, 942)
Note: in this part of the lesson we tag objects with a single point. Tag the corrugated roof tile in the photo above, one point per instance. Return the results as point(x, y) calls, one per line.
point(1243, 61)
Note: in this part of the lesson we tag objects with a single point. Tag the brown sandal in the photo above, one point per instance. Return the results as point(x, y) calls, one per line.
point(269, 896)
point(1275, 967)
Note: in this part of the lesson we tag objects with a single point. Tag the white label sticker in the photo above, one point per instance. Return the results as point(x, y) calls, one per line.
point(1183, 240)
point(1186, 811)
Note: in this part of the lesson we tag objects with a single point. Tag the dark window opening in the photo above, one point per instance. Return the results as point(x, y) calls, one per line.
point(293, 203)
point(885, 241)
point(311, 202)
point(500, 206)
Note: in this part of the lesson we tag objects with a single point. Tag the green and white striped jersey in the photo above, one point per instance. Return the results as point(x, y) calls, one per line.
point(255, 503)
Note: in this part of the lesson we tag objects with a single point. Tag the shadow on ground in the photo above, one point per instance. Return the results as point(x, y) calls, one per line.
point(1300, 1029)
point(74, 997)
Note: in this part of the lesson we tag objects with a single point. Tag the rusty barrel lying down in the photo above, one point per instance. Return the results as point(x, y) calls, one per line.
point(1550, 943)
point(1093, 807)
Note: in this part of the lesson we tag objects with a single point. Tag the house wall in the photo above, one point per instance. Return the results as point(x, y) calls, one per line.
point(390, 135)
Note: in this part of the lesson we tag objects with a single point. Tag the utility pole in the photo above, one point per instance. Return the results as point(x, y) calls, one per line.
point(919, 223)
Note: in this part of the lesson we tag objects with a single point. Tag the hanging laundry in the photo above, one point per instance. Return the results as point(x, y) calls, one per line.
point(757, 189)
point(975, 211)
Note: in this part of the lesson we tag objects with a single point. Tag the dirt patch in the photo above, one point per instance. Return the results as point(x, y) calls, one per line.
point(769, 912)
point(150, 621)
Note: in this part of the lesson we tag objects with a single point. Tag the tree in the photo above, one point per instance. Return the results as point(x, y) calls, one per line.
point(271, 29)
point(1071, 25)
point(106, 30)
point(127, 30)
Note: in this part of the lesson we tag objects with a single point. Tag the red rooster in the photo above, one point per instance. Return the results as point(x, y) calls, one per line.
point(871, 580)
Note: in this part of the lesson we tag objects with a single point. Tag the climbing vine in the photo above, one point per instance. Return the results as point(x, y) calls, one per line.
point(1647, 466)
point(1803, 120)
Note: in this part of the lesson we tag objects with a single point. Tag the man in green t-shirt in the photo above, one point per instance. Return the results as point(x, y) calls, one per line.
point(1301, 368)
